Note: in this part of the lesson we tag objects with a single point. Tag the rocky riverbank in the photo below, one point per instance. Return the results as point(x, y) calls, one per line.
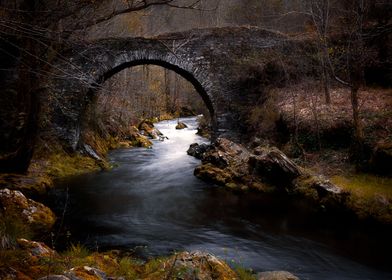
point(267, 169)
point(77, 263)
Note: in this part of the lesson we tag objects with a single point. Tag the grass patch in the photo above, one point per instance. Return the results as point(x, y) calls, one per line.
point(12, 227)
point(77, 251)
point(127, 268)
point(371, 196)
point(244, 273)
point(365, 185)
point(63, 165)
point(153, 265)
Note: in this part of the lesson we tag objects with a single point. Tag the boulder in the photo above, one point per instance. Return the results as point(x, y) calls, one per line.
point(9, 273)
point(181, 125)
point(224, 153)
point(211, 173)
point(14, 205)
point(197, 150)
point(321, 191)
point(148, 129)
point(204, 126)
point(136, 139)
point(54, 277)
point(85, 273)
point(273, 166)
point(36, 249)
point(276, 275)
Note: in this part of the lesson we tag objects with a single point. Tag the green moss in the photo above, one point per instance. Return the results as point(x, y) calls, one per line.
point(371, 196)
point(365, 185)
point(63, 165)
point(211, 173)
point(244, 273)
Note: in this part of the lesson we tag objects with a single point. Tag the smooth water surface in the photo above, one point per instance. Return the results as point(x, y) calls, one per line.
point(152, 202)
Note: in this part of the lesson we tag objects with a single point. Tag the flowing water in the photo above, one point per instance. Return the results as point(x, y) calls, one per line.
point(151, 203)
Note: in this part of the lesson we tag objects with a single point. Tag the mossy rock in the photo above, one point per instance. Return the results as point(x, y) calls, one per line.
point(371, 196)
point(195, 265)
point(142, 141)
point(30, 184)
point(147, 128)
point(277, 275)
point(64, 165)
point(211, 173)
point(31, 216)
point(322, 192)
point(181, 125)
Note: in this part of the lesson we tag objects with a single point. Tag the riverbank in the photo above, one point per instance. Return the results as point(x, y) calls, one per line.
point(44, 263)
point(266, 169)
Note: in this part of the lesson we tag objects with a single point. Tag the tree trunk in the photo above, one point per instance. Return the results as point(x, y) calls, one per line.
point(325, 77)
point(358, 149)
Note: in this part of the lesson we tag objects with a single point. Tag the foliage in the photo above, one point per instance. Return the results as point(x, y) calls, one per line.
point(77, 251)
point(264, 116)
point(244, 273)
point(12, 227)
point(127, 268)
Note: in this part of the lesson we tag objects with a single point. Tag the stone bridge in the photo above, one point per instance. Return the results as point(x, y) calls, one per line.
point(216, 61)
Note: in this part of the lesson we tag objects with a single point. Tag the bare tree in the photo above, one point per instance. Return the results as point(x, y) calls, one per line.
point(319, 11)
point(351, 58)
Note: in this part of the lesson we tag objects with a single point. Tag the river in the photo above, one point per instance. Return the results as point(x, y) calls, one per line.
point(151, 203)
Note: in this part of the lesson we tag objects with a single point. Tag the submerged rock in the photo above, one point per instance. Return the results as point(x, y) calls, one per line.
point(276, 275)
point(181, 125)
point(14, 205)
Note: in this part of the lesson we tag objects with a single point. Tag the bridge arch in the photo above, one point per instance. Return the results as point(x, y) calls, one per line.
point(211, 59)
point(87, 70)
point(186, 75)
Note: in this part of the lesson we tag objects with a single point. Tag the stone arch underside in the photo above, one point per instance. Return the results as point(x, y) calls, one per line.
point(188, 76)
point(211, 59)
